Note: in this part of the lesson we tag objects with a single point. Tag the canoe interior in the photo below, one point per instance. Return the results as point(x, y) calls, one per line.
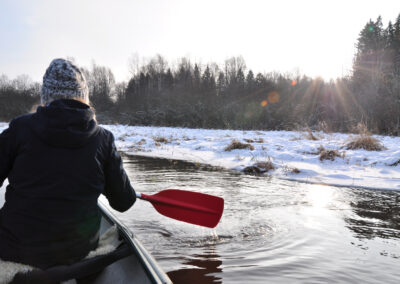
point(140, 267)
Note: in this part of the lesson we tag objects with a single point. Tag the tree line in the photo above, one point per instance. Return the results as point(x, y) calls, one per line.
point(189, 94)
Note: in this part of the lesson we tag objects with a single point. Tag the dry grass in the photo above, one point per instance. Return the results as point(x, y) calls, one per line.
point(259, 167)
point(295, 170)
point(258, 140)
point(323, 127)
point(160, 139)
point(135, 148)
point(362, 129)
point(305, 133)
point(395, 163)
point(265, 166)
point(310, 135)
point(365, 142)
point(235, 144)
point(330, 155)
point(289, 169)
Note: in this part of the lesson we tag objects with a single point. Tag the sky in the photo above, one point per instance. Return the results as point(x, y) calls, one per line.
point(311, 37)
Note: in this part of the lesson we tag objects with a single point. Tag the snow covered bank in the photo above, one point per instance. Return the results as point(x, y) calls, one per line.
point(287, 150)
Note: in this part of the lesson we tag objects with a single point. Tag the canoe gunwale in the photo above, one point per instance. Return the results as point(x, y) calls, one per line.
point(153, 270)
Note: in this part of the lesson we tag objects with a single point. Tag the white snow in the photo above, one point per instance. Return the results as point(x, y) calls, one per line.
point(285, 149)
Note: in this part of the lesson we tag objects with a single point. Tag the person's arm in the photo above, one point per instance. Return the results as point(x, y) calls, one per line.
point(7, 149)
point(118, 189)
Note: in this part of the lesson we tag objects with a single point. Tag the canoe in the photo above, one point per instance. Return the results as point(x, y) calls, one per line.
point(139, 267)
point(130, 262)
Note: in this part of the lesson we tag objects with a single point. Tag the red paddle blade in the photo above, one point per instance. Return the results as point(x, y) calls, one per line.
point(187, 206)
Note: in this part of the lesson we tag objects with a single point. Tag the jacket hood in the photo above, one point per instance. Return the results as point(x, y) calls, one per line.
point(65, 123)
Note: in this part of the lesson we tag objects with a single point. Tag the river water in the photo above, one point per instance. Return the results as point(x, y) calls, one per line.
point(272, 231)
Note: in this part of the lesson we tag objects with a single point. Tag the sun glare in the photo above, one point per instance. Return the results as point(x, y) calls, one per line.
point(273, 97)
point(319, 196)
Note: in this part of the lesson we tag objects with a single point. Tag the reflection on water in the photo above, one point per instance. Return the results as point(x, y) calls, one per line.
point(209, 264)
point(272, 231)
point(377, 214)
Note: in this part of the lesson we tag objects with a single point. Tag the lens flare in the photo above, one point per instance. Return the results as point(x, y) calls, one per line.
point(264, 103)
point(273, 97)
point(294, 83)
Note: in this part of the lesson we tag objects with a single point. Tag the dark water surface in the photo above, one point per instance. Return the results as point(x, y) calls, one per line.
point(272, 231)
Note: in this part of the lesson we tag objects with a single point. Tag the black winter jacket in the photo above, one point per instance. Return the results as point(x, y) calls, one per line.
point(58, 162)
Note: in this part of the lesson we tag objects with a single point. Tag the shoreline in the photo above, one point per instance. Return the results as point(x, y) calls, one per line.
point(293, 156)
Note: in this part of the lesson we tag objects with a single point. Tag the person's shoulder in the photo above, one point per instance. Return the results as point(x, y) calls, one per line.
point(106, 139)
point(105, 133)
point(21, 121)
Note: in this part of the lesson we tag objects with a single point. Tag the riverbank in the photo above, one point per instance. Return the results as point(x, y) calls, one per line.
point(293, 155)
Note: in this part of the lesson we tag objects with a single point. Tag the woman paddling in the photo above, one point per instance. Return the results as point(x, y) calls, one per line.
point(58, 161)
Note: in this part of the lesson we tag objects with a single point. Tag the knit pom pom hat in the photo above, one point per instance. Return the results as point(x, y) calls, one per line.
point(63, 80)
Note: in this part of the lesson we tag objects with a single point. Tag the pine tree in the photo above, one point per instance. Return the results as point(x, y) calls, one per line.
point(221, 84)
point(372, 37)
point(389, 36)
point(168, 80)
point(207, 81)
point(196, 77)
point(396, 45)
point(240, 81)
point(131, 93)
point(250, 82)
point(260, 80)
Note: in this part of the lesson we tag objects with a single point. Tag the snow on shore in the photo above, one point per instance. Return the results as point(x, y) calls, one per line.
point(287, 150)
